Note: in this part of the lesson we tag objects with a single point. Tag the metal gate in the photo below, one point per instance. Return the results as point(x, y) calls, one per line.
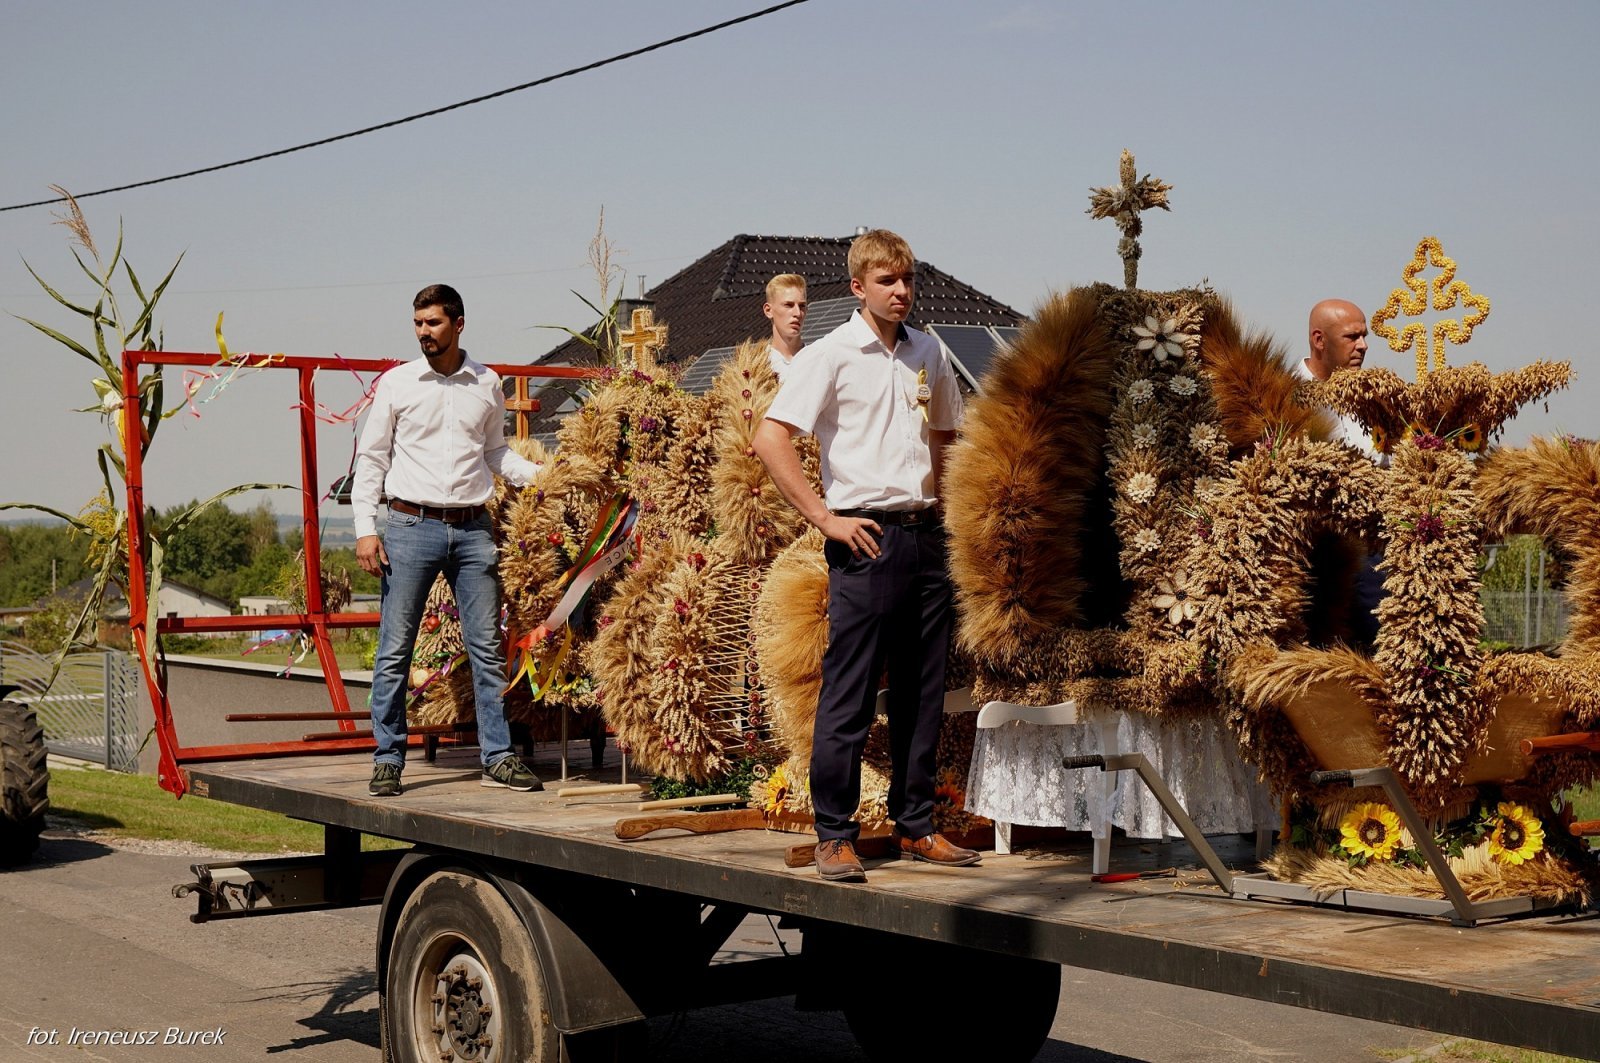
point(90, 712)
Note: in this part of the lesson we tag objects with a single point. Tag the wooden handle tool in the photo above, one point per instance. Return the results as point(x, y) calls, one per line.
point(694, 822)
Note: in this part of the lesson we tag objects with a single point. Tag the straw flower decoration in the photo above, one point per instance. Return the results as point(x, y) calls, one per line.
point(1175, 596)
point(1203, 437)
point(1160, 338)
point(1141, 487)
point(1140, 392)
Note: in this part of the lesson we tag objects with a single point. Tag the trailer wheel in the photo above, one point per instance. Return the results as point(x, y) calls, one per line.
point(24, 783)
point(1008, 1004)
point(464, 984)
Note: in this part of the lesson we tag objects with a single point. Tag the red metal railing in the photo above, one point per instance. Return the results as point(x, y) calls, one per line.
point(315, 621)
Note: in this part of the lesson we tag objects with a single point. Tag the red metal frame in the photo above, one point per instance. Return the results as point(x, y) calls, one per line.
point(315, 620)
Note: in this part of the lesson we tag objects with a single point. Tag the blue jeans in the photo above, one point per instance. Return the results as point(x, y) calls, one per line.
point(419, 549)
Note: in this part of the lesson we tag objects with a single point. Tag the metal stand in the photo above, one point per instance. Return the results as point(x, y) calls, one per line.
point(1457, 907)
point(1191, 834)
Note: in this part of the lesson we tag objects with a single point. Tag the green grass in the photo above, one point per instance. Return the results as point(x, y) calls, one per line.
point(134, 806)
point(1483, 1052)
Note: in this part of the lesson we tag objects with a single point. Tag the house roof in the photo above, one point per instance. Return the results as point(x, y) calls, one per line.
point(113, 600)
point(714, 303)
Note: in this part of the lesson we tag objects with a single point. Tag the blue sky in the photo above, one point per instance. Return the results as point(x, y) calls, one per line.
point(1310, 147)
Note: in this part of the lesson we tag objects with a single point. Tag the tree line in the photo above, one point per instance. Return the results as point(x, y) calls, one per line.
point(223, 552)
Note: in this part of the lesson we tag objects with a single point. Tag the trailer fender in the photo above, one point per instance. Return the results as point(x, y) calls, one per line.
point(581, 991)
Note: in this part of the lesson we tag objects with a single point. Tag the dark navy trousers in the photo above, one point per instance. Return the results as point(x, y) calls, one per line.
point(891, 612)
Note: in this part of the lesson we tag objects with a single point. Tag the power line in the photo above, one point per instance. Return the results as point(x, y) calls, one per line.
point(179, 293)
point(425, 114)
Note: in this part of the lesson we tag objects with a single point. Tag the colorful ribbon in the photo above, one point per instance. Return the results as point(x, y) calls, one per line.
point(607, 546)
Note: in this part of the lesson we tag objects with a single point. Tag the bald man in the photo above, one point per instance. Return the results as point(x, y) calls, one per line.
point(1338, 337)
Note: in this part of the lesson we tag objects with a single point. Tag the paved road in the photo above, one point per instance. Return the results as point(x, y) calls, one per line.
point(91, 938)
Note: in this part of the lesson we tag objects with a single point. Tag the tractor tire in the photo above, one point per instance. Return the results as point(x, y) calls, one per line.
point(24, 783)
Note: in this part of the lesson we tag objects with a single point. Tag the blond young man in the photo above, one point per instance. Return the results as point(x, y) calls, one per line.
point(882, 401)
point(786, 309)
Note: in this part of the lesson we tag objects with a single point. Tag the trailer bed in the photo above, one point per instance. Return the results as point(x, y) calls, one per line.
point(1533, 981)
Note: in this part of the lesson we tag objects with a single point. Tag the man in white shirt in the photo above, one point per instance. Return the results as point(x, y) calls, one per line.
point(434, 438)
point(786, 309)
point(1338, 337)
point(882, 401)
point(1337, 333)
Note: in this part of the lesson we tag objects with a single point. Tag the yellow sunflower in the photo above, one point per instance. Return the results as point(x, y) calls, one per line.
point(777, 788)
point(1470, 437)
point(1371, 830)
point(1518, 836)
point(1380, 439)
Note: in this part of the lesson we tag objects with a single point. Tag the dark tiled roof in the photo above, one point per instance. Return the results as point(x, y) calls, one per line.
point(716, 300)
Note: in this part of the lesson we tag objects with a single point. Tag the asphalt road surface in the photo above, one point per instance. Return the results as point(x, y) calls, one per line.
point(92, 940)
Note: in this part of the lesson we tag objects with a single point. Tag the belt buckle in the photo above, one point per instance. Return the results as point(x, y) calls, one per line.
point(913, 517)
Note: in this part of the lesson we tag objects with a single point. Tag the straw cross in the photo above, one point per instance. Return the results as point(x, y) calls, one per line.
point(640, 342)
point(1123, 203)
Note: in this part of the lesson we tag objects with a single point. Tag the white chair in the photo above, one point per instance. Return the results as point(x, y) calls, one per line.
point(1001, 713)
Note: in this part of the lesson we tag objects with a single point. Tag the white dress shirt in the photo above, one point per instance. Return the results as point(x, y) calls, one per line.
point(861, 403)
point(778, 362)
point(433, 440)
point(1346, 430)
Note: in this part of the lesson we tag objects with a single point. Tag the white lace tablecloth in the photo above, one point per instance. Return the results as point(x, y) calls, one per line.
point(1017, 776)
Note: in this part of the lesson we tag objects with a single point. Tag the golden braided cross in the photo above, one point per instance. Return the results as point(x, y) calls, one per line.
point(641, 340)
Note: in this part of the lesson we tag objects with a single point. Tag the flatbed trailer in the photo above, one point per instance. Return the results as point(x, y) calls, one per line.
point(524, 918)
point(518, 927)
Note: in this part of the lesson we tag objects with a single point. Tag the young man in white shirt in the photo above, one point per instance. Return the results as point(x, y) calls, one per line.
point(882, 401)
point(434, 437)
point(786, 309)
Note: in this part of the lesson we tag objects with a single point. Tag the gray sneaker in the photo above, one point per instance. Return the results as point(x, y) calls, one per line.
point(512, 774)
point(385, 781)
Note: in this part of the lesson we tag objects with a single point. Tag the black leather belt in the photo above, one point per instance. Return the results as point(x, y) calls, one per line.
point(905, 518)
point(447, 514)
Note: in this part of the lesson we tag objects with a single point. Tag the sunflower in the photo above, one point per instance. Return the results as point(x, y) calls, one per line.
point(1371, 830)
point(1380, 439)
point(1517, 835)
point(1414, 431)
point(777, 788)
point(1469, 437)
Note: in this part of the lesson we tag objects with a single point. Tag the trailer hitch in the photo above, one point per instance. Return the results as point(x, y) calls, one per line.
point(219, 895)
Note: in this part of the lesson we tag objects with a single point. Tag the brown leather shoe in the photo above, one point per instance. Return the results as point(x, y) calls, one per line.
point(837, 862)
point(935, 849)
